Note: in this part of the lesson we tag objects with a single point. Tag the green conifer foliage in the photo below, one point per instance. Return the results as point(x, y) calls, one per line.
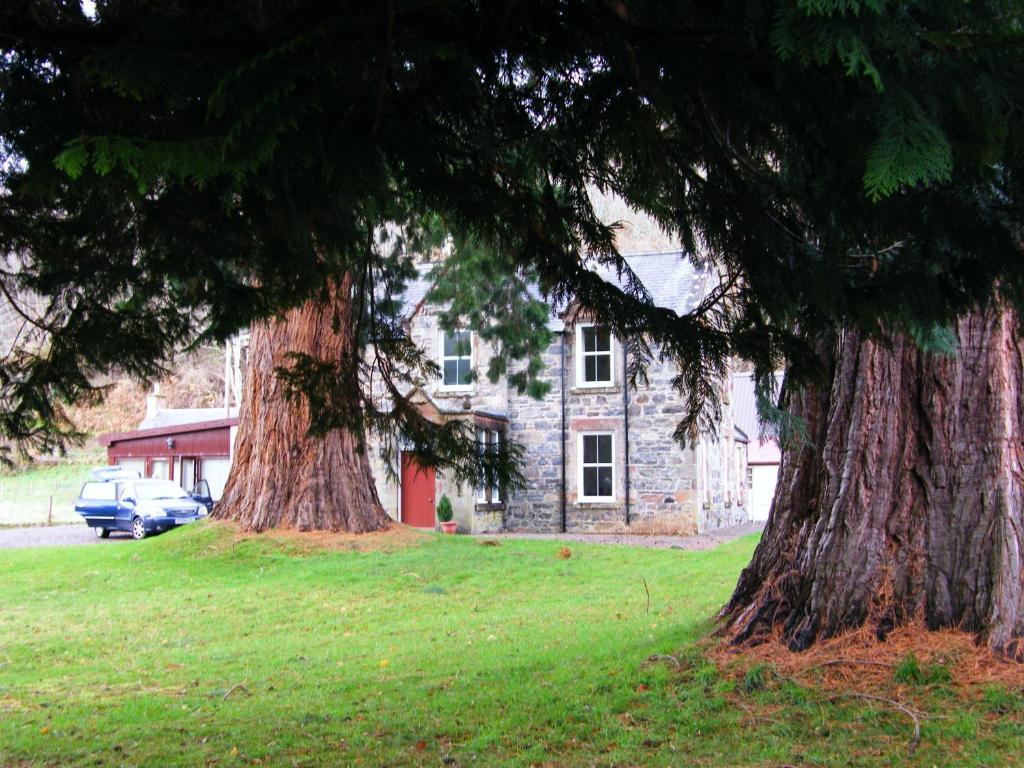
point(174, 171)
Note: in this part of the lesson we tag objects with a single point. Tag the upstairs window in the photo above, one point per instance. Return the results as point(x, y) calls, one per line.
point(597, 467)
point(456, 358)
point(594, 352)
point(489, 492)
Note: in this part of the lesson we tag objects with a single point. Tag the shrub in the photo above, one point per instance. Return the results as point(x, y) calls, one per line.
point(444, 509)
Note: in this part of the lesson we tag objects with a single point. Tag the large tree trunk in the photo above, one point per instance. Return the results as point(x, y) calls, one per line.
point(281, 476)
point(906, 502)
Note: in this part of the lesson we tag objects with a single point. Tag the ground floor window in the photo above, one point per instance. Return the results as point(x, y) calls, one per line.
point(597, 466)
point(489, 491)
point(136, 465)
point(187, 472)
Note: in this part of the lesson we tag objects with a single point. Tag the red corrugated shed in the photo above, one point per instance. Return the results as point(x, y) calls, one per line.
point(204, 438)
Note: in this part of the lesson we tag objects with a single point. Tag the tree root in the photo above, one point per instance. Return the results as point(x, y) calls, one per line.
point(666, 657)
point(868, 662)
point(914, 716)
point(233, 688)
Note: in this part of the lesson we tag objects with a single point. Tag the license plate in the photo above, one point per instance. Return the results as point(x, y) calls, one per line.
point(183, 520)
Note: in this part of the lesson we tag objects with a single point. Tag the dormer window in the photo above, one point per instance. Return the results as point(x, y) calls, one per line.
point(593, 355)
point(456, 359)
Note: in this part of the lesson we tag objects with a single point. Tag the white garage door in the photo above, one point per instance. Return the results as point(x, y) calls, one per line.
point(762, 489)
point(215, 472)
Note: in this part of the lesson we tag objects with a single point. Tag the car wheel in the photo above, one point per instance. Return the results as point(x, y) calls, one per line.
point(101, 533)
point(138, 528)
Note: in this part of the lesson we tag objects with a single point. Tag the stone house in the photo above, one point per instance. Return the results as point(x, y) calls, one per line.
point(599, 454)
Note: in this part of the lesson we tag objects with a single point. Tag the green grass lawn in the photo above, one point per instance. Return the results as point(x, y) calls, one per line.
point(190, 649)
point(26, 492)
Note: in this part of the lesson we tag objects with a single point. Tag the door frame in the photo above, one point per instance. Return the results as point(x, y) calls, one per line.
point(401, 482)
point(160, 457)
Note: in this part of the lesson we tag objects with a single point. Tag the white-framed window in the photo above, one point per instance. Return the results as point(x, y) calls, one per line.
point(158, 469)
point(456, 359)
point(489, 492)
point(597, 466)
point(593, 356)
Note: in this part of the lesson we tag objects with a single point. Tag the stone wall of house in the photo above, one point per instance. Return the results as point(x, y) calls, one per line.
point(463, 501)
point(536, 426)
point(668, 492)
point(673, 489)
point(663, 473)
point(721, 475)
point(387, 488)
point(482, 394)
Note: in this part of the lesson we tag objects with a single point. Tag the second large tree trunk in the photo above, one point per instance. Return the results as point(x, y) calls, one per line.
point(280, 476)
point(907, 501)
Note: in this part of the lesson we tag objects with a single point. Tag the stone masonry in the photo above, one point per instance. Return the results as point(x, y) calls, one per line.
point(673, 488)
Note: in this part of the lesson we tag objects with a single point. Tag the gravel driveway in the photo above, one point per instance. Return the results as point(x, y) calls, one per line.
point(701, 541)
point(54, 536)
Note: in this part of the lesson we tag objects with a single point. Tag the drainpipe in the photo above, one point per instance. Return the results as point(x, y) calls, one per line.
point(561, 387)
point(625, 421)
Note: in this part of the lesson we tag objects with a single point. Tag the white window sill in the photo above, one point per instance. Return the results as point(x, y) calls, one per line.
point(604, 389)
point(597, 501)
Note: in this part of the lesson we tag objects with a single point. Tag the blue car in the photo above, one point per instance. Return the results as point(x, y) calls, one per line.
point(121, 501)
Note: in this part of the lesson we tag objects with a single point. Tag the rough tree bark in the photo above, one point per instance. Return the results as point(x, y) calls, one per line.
point(907, 502)
point(280, 476)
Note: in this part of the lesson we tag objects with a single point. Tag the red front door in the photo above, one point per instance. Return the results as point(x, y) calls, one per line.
point(417, 493)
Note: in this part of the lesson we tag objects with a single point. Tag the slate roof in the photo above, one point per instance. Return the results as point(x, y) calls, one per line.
point(672, 280)
point(174, 417)
point(416, 289)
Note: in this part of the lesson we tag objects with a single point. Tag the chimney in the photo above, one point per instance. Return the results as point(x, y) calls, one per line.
point(154, 402)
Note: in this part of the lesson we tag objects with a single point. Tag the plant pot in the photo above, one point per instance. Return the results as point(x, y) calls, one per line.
point(449, 527)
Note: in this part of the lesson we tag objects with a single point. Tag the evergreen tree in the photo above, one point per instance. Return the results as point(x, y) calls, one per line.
point(192, 168)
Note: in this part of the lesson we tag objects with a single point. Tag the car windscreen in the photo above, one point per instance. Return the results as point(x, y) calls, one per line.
point(158, 489)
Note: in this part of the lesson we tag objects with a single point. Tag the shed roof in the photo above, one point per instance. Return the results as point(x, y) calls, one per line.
point(745, 417)
point(109, 438)
point(173, 417)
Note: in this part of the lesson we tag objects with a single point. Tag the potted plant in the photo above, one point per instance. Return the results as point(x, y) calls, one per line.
point(444, 515)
